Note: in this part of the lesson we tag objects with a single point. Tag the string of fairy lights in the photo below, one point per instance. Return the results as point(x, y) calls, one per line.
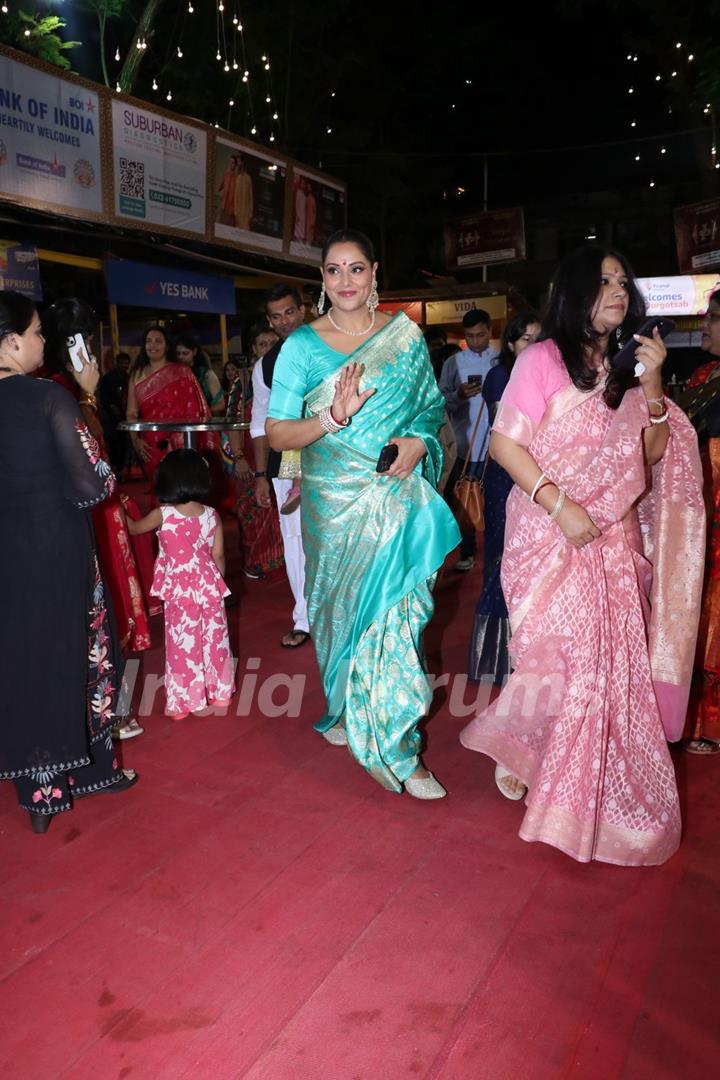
point(249, 76)
point(681, 70)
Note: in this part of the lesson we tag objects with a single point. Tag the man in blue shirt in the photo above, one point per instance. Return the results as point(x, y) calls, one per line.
point(461, 383)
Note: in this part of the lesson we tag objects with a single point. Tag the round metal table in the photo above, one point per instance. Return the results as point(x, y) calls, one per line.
point(189, 428)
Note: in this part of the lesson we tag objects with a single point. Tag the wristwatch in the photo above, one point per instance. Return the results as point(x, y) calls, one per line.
point(258, 474)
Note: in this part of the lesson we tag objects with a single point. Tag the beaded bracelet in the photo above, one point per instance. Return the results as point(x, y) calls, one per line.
point(662, 419)
point(329, 424)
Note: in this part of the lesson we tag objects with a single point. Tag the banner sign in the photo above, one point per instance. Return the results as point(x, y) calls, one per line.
point(49, 140)
point(250, 196)
point(678, 295)
point(318, 210)
point(159, 169)
point(496, 236)
point(697, 235)
point(20, 269)
point(452, 311)
point(144, 285)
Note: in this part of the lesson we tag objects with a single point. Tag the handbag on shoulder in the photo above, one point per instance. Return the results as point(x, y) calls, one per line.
point(469, 491)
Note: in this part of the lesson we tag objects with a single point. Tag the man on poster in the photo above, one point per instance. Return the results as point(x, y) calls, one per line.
point(243, 199)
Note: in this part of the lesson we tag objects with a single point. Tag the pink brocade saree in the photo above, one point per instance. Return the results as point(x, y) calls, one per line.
point(603, 636)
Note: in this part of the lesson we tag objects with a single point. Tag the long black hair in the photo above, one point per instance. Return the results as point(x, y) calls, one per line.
point(201, 360)
point(182, 476)
point(142, 360)
point(513, 331)
point(16, 313)
point(568, 322)
point(59, 321)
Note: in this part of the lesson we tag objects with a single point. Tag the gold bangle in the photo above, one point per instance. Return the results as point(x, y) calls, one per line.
point(89, 399)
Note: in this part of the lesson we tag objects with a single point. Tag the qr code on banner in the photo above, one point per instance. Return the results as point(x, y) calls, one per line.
point(132, 178)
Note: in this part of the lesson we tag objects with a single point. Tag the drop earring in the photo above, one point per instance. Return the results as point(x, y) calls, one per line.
point(321, 301)
point(373, 299)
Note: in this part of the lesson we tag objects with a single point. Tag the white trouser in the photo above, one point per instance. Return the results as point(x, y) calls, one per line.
point(291, 530)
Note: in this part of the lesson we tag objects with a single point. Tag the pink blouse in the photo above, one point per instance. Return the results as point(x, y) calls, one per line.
point(537, 376)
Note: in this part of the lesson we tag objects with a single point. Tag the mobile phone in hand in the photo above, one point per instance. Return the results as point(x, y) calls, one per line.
point(387, 456)
point(78, 351)
point(625, 357)
point(474, 380)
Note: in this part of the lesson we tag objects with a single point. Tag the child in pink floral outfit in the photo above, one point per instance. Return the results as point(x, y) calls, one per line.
point(189, 579)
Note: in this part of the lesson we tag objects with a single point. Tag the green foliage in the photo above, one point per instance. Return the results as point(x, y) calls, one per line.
point(38, 35)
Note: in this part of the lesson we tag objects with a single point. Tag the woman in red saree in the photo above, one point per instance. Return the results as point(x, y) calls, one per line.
point(160, 389)
point(703, 726)
point(602, 574)
point(260, 536)
point(115, 548)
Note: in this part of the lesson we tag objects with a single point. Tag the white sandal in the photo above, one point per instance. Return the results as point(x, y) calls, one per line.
point(510, 791)
point(425, 787)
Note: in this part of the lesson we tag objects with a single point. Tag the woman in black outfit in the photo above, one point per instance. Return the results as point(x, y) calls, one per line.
point(61, 668)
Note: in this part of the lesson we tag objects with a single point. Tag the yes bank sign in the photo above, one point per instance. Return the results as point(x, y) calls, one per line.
point(144, 285)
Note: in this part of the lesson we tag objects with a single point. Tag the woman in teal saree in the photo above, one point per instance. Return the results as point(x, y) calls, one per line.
point(373, 542)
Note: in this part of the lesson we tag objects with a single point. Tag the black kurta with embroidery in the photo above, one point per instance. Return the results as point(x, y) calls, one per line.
point(58, 664)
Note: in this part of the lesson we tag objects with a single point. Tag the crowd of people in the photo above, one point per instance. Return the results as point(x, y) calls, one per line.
point(595, 571)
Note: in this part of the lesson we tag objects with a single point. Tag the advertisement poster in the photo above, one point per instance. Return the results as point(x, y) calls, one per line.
point(20, 269)
point(318, 209)
point(496, 236)
point(147, 285)
point(678, 295)
point(159, 169)
point(697, 236)
point(49, 140)
point(249, 200)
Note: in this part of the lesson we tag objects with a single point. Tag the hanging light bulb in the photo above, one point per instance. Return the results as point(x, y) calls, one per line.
point(267, 100)
point(663, 150)
point(218, 56)
point(231, 103)
point(253, 130)
point(631, 89)
point(235, 20)
point(673, 74)
point(191, 9)
point(691, 57)
point(267, 67)
point(678, 44)
point(180, 53)
point(27, 33)
point(652, 183)
point(117, 51)
point(275, 116)
point(155, 85)
point(169, 95)
point(239, 26)
point(272, 138)
point(657, 78)
point(4, 9)
point(264, 58)
point(221, 6)
point(117, 87)
point(235, 65)
point(637, 157)
point(245, 78)
point(227, 66)
point(633, 123)
point(329, 131)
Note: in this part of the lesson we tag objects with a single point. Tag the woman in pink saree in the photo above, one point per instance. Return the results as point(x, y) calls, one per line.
point(602, 573)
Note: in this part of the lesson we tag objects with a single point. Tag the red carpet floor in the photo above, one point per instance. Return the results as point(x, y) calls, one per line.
point(258, 907)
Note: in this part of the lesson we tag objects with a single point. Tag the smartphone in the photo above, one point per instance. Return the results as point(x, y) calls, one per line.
point(78, 351)
point(625, 358)
point(474, 380)
point(387, 456)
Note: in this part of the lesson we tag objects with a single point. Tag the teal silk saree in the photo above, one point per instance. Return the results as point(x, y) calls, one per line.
point(373, 544)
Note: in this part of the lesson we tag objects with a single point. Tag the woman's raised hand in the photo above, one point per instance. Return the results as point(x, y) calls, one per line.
point(348, 398)
point(576, 524)
point(89, 377)
point(651, 353)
